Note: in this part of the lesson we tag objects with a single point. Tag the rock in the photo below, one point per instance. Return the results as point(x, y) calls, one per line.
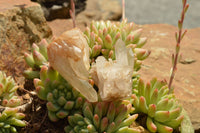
point(161, 42)
point(54, 9)
point(95, 10)
point(21, 23)
point(100, 10)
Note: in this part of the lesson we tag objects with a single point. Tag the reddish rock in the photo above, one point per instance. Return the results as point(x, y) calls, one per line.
point(95, 10)
point(161, 42)
point(21, 23)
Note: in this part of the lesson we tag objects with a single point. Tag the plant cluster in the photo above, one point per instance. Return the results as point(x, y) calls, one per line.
point(62, 99)
point(10, 117)
point(77, 74)
point(36, 59)
point(162, 110)
point(102, 37)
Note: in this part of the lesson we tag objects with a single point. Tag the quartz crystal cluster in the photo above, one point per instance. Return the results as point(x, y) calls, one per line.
point(114, 78)
point(69, 55)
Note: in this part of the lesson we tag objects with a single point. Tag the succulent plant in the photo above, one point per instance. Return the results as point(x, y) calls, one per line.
point(9, 114)
point(8, 89)
point(10, 118)
point(36, 59)
point(102, 37)
point(62, 99)
point(162, 109)
point(103, 117)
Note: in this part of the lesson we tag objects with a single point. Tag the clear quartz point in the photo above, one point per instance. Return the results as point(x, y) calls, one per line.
point(69, 55)
point(114, 78)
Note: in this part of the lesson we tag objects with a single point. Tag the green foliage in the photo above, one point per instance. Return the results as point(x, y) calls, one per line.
point(10, 118)
point(162, 109)
point(62, 99)
point(36, 59)
point(8, 89)
point(102, 37)
point(103, 117)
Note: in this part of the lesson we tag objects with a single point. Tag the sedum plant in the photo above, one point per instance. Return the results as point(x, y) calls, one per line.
point(162, 109)
point(62, 99)
point(36, 59)
point(10, 118)
point(102, 37)
point(8, 89)
point(103, 117)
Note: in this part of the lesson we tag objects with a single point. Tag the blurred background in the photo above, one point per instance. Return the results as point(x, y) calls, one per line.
point(162, 11)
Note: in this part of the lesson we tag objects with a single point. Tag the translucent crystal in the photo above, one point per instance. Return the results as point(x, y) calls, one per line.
point(69, 55)
point(114, 78)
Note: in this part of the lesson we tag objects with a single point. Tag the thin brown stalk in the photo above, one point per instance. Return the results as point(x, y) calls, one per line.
point(123, 9)
point(72, 13)
point(179, 36)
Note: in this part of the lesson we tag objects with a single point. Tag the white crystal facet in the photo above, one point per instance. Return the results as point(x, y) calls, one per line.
point(114, 78)
point(69, 55)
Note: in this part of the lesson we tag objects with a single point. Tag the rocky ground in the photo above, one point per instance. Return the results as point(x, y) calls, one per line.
point(161, 42)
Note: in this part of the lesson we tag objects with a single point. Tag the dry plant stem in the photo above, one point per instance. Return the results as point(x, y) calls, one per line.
point(72, 13)
point(33, 93)
point(123, 9)
point(178, 38)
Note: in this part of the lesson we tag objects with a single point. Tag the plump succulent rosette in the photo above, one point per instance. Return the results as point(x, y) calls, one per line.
point(103, 117)
point(102, 37)
point(36, 59)
point(8, 89)
point(10, 117)
point(162, 109)
point(62, 99)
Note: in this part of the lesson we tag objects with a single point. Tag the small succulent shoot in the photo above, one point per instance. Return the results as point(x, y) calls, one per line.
point(36, 59)
point(8, 89)
point(162, 109)
point(62, 99)
point(72, 13)
point(102, 37)
point(179, 36)
point(114, 78)
point(10, 118)
point(103, 117)
point(69, 55)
